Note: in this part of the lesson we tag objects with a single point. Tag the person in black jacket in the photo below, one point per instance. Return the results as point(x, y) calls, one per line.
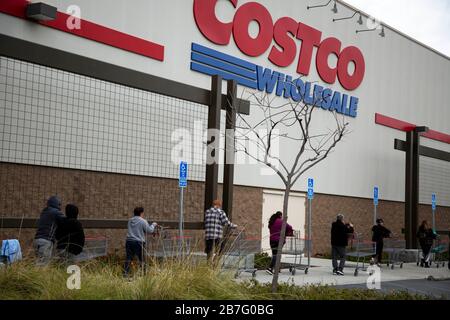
point(379, 232)
point(339, 241)
point(426, 236)
point(69, 234)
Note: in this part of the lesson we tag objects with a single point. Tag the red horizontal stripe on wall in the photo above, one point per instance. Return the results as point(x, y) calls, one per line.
point(406, 126)
point(436, 135)
point(393, 123)
point(91, 31)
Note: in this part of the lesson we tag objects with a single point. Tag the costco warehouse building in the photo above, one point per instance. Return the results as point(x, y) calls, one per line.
point(90, 99)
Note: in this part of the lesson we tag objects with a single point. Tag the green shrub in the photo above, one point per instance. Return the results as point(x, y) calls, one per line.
point(290, 291)
point(170, 279)
point(262, 260)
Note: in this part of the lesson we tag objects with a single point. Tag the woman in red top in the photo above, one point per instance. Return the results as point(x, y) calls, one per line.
point(275, 224)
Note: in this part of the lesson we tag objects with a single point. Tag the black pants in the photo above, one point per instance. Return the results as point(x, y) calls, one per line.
point(213, 246)
point(426, 248)
point(274, 247)
point(379, 251)
point(133, 248)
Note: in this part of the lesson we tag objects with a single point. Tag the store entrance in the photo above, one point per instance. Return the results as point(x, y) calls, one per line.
point(273, 202)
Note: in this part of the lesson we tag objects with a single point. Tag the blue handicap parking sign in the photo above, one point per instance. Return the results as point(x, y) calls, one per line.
point(310, 188)
point(375, 195)
point(433, 201)
point(183, 174)
point(310, 193)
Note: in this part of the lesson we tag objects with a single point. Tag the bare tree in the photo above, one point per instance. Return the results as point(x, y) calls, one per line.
point(290, 121)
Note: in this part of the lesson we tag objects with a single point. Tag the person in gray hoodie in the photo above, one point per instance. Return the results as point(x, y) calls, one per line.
point(138, 227)
point(45, 234)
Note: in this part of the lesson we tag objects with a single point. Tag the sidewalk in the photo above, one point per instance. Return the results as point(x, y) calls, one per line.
point(410, 277)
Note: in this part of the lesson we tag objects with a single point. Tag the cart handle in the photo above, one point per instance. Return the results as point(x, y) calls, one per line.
point(96, 238)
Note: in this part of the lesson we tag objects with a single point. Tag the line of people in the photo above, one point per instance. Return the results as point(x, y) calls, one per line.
point(342, 232)
point(215, 221)
point(63, 236)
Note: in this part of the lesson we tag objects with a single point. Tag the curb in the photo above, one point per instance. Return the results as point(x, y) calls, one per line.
point(431, 278)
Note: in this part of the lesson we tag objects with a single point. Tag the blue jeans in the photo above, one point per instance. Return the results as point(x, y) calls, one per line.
point(133, 248)
point(44, 251)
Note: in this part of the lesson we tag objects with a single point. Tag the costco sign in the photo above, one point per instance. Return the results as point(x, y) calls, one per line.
point(294, 41)
point(284, 32)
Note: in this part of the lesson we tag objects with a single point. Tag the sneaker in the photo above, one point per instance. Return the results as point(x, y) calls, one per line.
point(269, 271)
point(335, 272)
point(340, 273)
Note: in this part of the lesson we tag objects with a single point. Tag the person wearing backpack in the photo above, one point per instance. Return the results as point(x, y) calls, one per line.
point(70, 234)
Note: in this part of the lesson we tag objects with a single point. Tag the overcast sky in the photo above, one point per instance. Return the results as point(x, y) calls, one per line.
point(428, 21)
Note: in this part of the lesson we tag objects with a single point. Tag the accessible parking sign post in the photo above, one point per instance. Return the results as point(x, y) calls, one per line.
point(375, 204)
point(182, 183)
point(310, 197)
point(433, 210)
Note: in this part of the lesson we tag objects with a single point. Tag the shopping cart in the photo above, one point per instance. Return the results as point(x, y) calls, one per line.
point(361, 251)
point(297, 247)
point(164, 244)
point(94, 247)
point(396, 250)
point(239, 252)
point(438, 251)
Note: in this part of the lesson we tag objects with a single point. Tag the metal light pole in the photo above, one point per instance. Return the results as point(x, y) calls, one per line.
point(374, 214)
point(180, 222)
